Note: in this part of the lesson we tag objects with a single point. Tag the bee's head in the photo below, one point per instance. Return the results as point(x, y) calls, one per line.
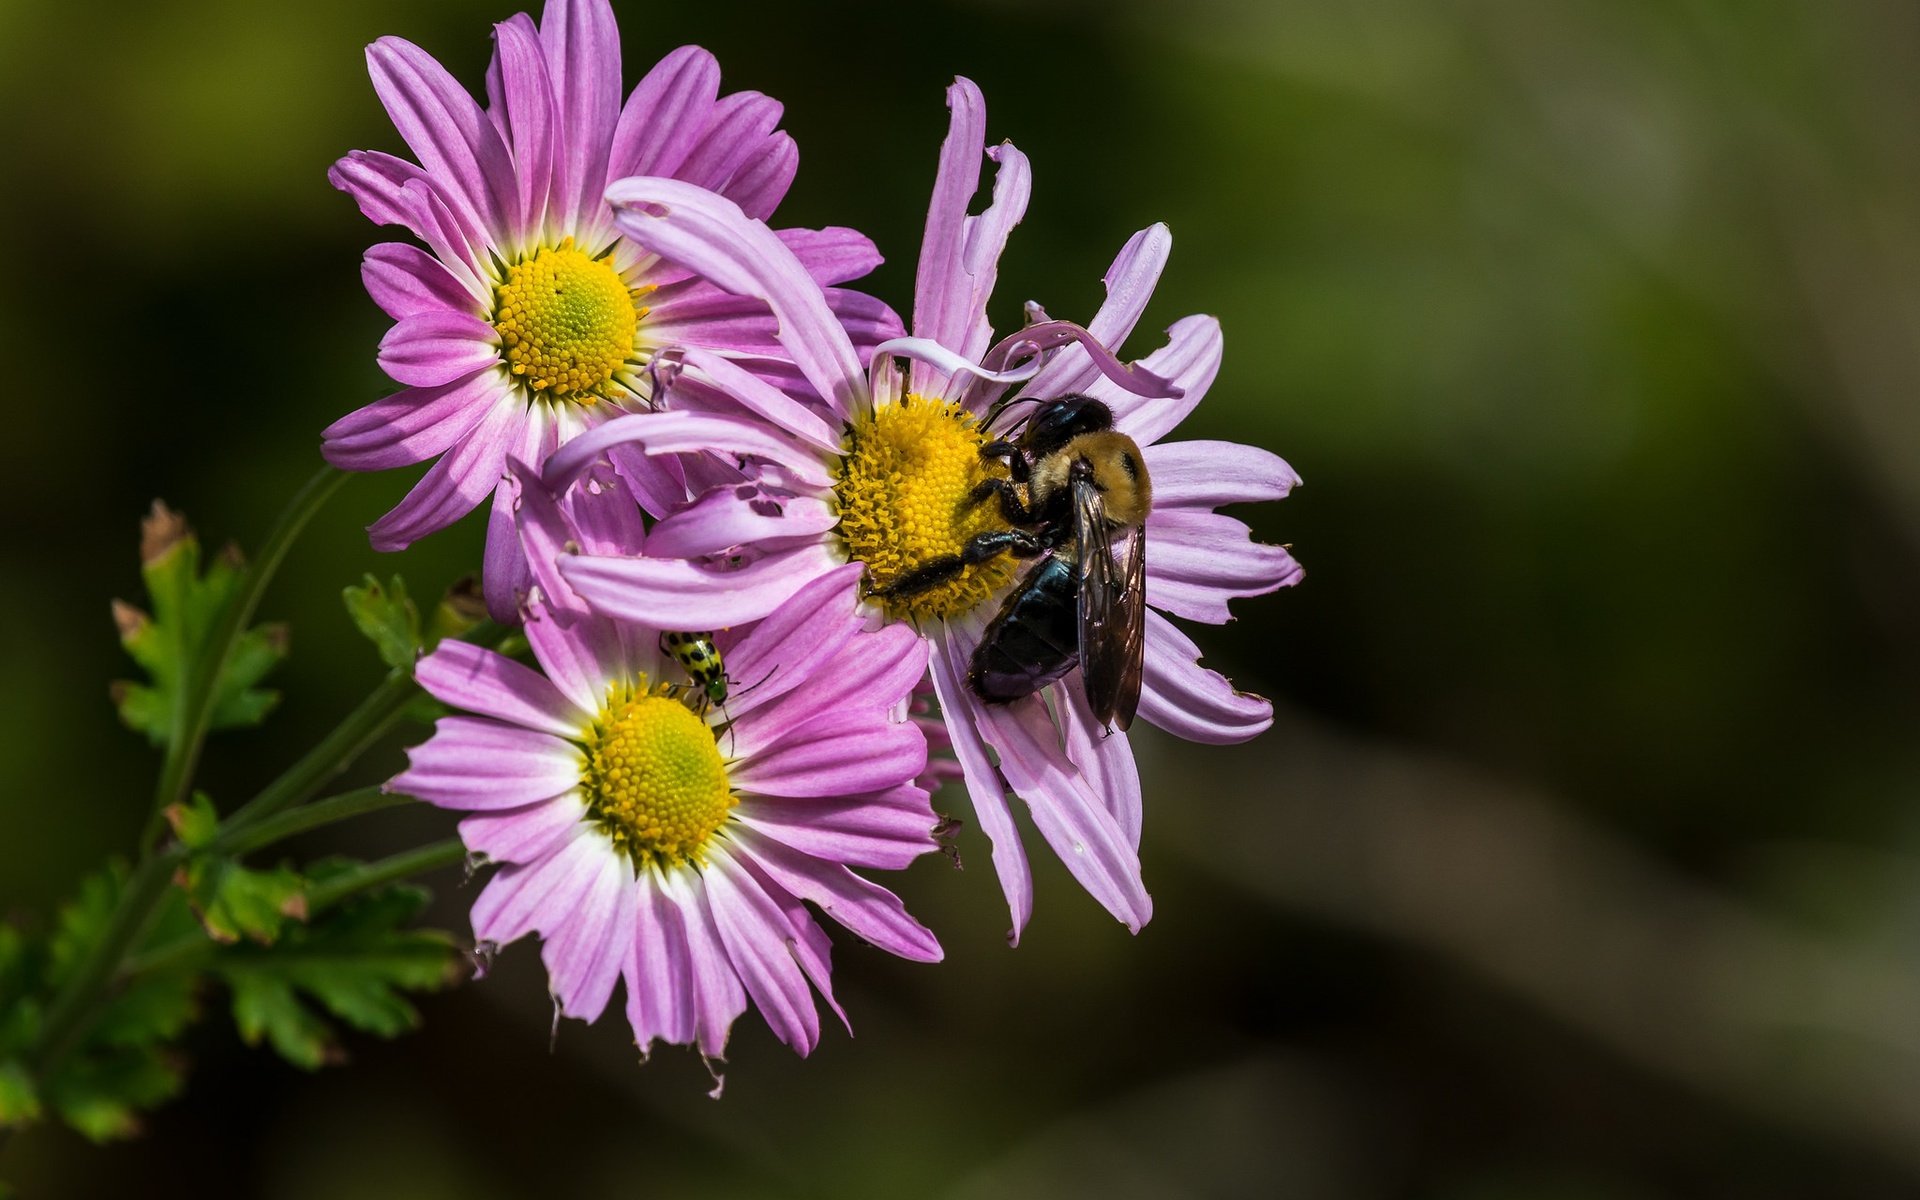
point(1056, 422)
point(1120, 472)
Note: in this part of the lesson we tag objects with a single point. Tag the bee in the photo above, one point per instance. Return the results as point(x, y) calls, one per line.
point(697, 653)
point(1077, 496)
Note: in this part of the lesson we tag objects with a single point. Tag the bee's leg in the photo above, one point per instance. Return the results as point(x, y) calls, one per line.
point(1012, 507)
point(1017, 464)
point(983, 546)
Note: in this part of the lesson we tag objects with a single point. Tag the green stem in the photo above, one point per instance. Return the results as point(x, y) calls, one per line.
point(191, 951)
point(364, 726)
point(200, 685)
point(431, 857)
point(266, 831)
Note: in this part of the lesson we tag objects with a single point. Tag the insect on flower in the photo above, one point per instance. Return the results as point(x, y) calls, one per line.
point(1075, 483)
point(696, 652)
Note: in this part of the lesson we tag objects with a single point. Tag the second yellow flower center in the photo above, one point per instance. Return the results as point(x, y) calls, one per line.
point(654, 779)
point(905, 488)
point(566, 321)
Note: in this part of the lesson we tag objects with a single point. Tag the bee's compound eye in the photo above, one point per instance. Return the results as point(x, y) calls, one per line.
point(1132, 467)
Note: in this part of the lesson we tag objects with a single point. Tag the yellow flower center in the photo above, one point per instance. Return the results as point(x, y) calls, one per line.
point(566, 321)
point(905, 492)
point(653, 778)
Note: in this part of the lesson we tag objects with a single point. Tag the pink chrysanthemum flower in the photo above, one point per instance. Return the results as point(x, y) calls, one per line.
point(885, 480)
point(649, 837)
point(532, 319)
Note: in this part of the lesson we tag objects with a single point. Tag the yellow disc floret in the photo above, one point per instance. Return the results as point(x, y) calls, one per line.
point(653, 777)
point(566, 321)
point(905, 491)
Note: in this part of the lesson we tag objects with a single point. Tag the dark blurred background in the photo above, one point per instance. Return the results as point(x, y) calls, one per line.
point(1581, 862)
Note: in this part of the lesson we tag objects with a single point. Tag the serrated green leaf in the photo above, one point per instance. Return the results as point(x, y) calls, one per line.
point(194, 821)
point(153, 1008)
point(83, 920)
point(233, 901)
point(354, 962)
point(386, 615)
point(100, 1094)
point(264, 1005)
point(18, 1102)
point(187, 605)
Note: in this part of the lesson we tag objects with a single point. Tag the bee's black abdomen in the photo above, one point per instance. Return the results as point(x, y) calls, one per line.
point(1034, 639)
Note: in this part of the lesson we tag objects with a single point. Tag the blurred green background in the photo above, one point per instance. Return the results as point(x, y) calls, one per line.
point(1581, 862)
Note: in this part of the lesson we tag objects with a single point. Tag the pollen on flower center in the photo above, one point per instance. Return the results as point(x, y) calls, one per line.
point(566, 321)
point(905, 494)
point(654, 779)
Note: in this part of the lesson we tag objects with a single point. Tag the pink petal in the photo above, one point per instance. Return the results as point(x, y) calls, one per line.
point(868, 910)
point(584, 955)
point(709, 235)
point(755, 933)
point(672, 593)
point(666, 115)
point(519, 900)
point(659, 972)
point(583, 59)
point(1190, 359)
point(1206, 474)
point(757, 397)
point(942, 293)
point(474, 678)
point(886, 829)
point(718, 997)
point(726, 518)
point(413, 425)
point(434, 348)
point(1130, 282)
point(448, 133)
point(873, 670)
point(1089, 841)
point(1197, 560)
point(1189, 701)
point(475, 763)
point(525, 834)
point(812, 949)
point(404, 280)
point(1104, 757)
point(688, 433)
point(581, 653)
point(742, 123)
point(832, 255)
point(760, 183)
point(788, 648)
point(528, 115)
point(453, 486)
point(951, 650)
point(837, 753)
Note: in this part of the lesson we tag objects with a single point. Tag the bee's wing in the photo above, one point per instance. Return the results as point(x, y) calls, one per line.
point(1112, 609)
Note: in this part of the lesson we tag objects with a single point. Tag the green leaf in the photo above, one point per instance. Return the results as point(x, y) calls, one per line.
point(387, 617)
point(187, 605)
point(355, 962)
point(233, 901)
point(99, 1094)
point(195, 822)
point(18, 1103)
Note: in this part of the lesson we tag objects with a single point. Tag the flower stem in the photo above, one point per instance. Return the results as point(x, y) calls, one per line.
point(431, 857)
point(200, 686)
point(191, 950)
point(265, 831)
point(365, 725)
